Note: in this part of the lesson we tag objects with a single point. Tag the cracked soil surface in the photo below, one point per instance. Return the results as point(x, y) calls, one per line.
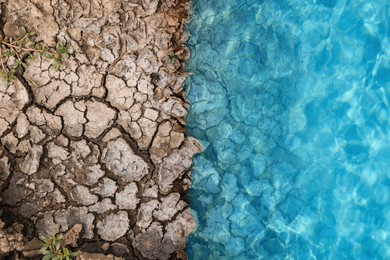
point(100, 142)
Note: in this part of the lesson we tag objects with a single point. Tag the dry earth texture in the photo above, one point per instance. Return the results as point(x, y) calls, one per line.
point(99, 142)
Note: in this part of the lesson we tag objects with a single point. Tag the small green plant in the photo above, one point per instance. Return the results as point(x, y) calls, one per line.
point(54, 250)
point(171, 58)
point(15, 51)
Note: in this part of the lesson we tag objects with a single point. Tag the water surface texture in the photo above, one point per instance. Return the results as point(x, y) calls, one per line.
point(291, 101)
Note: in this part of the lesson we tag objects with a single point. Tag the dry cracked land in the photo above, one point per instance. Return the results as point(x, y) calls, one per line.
point(98, 147)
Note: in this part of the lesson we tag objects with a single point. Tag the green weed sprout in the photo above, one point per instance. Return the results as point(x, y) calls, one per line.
point(53, 250)
point(171, 58)
point(15, 51)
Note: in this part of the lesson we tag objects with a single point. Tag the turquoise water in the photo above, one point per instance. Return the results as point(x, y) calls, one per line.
point(291, 101)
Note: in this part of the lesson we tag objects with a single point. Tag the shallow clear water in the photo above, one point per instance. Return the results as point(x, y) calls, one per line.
point(291, 101)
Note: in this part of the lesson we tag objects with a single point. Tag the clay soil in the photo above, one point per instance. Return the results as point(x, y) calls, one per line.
point(97, 149)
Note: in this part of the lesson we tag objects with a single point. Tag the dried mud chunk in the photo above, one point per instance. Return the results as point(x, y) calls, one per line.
point(28, 209)
point(56, 197)
point(119, 94)
point(165, 141)
point(145, 213)
point(4, 170)
point(174, 107)
point(160, 148)
point(168, 207)
point(148, 243)
point(110, 44)
point(16, 190)
point(178, 86)
point(150, 6)
point(178, 110)
point(127, 199)
point(177, 232)
point(121, 160)
point(4, 124)
point(30, 163)
point(133, 129)
point(148, 128)
point(112, 134)
point(131, 43)
point(31, 248)
point(145, 87)
point(57, 153)
point(106, 189)
point(81, 195)
point(43, 187)
point(165, 78)
point(163, 39)
point(126, 68)
point(153, 23)
point(13, 98)
point(37, 73)
point(80, 150)
point(151, 114)
point(46, 225)
point(73, 115)
point(148, 61)
point(176, 163)
point(22, 125)
point(151, 192)
point(87, 26)
point(74, 215)
point(71, 78)
point(89, 82)
point(90, 175)
point(36, 134)
point(49, 123)
point(128, 120)
point(100, 117)
point(102, 206)
point(23, 147)
point(10, 142)
point(119, 249)
point(51, 94)
point(113, 226)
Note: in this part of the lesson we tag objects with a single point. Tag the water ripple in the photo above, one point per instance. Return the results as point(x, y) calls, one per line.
point(291, 101)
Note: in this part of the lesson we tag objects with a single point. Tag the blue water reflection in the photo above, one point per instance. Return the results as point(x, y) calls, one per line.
point(291, 101)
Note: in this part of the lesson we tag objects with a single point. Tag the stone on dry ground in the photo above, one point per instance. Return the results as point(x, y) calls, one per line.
point(97, 148)
point(72, 236)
